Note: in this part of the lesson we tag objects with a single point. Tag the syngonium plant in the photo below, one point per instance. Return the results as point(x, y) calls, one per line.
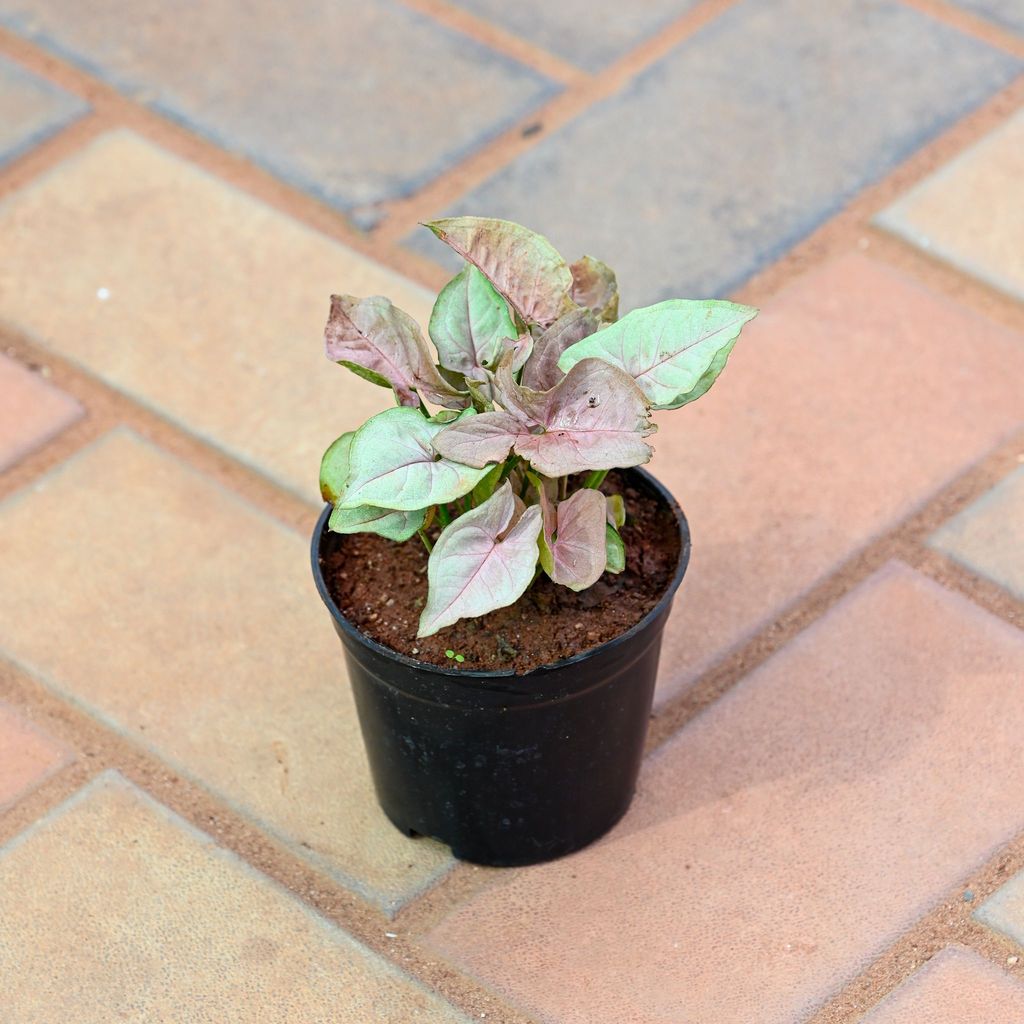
point(542, 391)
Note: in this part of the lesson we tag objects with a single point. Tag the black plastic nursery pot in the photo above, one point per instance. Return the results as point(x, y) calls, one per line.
point(508, 769)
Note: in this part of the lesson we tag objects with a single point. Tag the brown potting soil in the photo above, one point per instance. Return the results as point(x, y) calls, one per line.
point(381, 587)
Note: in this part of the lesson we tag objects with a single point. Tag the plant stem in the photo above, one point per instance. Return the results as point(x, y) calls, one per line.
point(443, 515)
point(595, 479)
point(563, 488)
point(426, 541)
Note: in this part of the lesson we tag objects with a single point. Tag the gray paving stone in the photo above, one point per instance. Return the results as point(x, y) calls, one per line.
point(1006, 13)
point(988, 536)
point(741, 141)
point(31, 109)
point(354, 102)
point(587, 34)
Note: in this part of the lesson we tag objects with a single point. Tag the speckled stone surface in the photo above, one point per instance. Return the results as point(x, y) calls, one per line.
point(580, 31)
point(845, 404)
point(970, 212)
point(740, 141)
point(195, 298)
point(27, 756)
point(355, 102)
point(32, 411)
point(113, 908)
point(197, 633)
point(988, 536)
point(1004, 910)
point(956, 986)
point(785, 836)
point(31, 109)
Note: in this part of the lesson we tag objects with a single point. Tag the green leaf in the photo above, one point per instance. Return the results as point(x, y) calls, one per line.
point(334, 468)
point(370, 375)
point(393, 464)
point(383, 521)
point(615, 550)
point(672, 349)
point(594, 286)
point(524, 266)
point(468, 323)
point(616, 510)
point(483, 560)
point(488, 484)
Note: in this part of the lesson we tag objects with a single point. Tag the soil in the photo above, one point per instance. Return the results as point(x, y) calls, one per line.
point(381, 587)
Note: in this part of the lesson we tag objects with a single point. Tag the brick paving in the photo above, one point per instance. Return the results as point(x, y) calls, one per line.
point(829, 827)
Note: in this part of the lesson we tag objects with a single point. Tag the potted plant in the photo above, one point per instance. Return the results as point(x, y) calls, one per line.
point(499, 571)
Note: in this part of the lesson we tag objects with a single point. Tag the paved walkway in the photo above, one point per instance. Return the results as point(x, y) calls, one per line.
point(830, 825)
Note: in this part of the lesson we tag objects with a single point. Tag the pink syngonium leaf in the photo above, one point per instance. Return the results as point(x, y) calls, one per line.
point(594, 286)
point(574, 552)
point(541, 371)
point(595, 418)
point(524, 266)
point(482, 561)
point(376, 340)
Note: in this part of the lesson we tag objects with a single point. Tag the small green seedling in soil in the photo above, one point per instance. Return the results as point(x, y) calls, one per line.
point(540, 390)
point(460, 658)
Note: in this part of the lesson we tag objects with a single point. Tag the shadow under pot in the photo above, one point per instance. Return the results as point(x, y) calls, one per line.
point(508, 769)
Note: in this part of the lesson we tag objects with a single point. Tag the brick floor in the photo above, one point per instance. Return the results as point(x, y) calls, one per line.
point(234, 355)
point(1008, 13)
point(301, 95)
point(956, 987)
point(235, 679)
point(971, 211)
point(764, 871)
point(31, 412)
point(116, 909)
point(827, 774)
point(988, 536)
point(27, 756)
point(31, 110)
point(572, 30)
point(1004, 910)
point(847, 403)
point(679, 205)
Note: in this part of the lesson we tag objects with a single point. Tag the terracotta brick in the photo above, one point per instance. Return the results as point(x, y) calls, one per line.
point(988, 536)
point(355, 102)
point(192, 626)
point(955, 987)
point(194, 298)
point(116, 909)
point(31, 109)
point(27, 756)
point(970, 212)
point(1004, 910)
point(852, 399)
point(787, 835)
point(740, 141)
point(32, 412)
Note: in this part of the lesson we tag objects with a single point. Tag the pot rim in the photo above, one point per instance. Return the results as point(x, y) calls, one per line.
point(482, 676)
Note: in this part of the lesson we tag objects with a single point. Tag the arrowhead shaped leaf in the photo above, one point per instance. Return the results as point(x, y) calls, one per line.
point(670, 349)
point(595, 287)
point(574, 554)
point(383, 521)
point(392, 464)
point(378, 341)
point(334, 474)
point(334, 468)
point(468, 323)
point(595, 418)
point(541, 371)
point(479, 564)
point(525, 267)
